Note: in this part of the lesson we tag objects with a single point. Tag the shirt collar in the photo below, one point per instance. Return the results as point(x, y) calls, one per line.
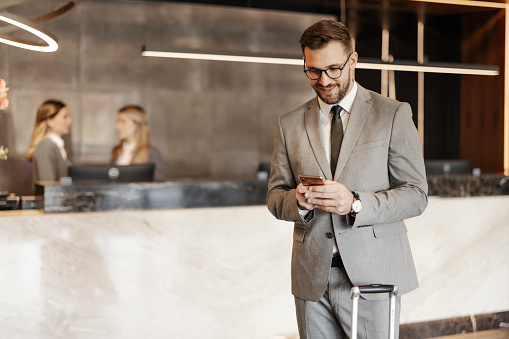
point(346, 103)
point(56, 139)
point(129, 146)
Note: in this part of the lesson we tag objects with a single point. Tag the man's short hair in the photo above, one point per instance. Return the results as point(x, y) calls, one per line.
point(323, 32)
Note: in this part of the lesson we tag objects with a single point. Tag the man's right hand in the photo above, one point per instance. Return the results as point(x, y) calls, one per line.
point(301, 199)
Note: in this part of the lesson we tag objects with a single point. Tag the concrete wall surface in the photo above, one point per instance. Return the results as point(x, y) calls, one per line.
point(210, 119)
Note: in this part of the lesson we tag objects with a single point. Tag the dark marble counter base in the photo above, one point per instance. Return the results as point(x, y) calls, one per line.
point(106, 196)
point(88, 197)
point(467, 185)
point(443, 327)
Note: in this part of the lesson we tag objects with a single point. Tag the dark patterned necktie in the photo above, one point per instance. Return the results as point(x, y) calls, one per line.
point(336, 136)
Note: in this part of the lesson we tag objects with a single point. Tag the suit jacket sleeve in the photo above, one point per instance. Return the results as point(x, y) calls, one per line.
point(281, 199)
point(407, 195)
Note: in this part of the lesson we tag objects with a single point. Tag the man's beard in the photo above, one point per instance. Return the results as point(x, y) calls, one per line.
point(334, 99)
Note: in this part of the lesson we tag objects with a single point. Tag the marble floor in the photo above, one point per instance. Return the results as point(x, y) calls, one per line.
point(490, 334)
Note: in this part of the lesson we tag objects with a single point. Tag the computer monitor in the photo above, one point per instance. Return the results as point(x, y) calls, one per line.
point(130, 173)
point(448, 166)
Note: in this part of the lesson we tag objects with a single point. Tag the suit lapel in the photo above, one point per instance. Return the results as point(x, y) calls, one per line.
point(360, 111)
point(312, 123)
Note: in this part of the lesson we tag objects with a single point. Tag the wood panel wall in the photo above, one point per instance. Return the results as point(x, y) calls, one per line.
point(482, 97)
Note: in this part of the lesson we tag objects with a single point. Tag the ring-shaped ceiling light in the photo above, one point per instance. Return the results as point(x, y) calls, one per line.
point(50, 43)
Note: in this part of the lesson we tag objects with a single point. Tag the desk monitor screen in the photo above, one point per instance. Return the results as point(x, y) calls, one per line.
point(130, 173)
point(448, 166)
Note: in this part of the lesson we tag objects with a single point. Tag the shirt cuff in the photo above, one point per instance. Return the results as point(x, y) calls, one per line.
point(306, 215)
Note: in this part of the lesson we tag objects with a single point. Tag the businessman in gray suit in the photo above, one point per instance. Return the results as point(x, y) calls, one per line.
point(350, 230)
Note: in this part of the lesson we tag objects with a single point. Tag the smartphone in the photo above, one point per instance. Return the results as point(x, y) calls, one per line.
point(308, 180)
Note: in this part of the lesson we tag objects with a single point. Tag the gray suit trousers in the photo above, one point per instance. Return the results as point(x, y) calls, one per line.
point(329, 317)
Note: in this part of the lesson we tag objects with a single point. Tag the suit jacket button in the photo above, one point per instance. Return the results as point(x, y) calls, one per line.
point(329, 235)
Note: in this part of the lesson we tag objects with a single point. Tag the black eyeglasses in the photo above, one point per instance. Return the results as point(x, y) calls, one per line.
point(333, 72)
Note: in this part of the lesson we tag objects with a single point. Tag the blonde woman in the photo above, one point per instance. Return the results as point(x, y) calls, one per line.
point(47, 148)
point(134, 146)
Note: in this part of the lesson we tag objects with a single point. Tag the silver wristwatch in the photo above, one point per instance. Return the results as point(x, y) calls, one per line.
point(356, 204)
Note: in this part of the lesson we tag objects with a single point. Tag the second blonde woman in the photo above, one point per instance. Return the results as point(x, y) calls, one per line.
point(134, 146)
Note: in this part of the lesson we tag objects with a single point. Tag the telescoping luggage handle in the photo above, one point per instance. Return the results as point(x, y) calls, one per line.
point(370, 289)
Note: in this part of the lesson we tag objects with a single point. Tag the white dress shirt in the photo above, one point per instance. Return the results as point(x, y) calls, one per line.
point(325, 125)
point(125, 157)
point(326, 117)
point(59, 142)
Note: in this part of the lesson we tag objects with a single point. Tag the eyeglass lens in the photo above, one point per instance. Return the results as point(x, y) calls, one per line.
point(315, 74)
point(333, 72)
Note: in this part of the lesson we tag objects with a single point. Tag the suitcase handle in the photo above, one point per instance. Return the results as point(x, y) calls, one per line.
point(376, 288)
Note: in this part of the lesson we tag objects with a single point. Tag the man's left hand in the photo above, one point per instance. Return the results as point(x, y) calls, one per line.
point(331, 197)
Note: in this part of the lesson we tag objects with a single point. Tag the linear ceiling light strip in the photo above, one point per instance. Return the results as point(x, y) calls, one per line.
point(428, 69)
point(222, 57)
point(471, 3)
point(288, 61)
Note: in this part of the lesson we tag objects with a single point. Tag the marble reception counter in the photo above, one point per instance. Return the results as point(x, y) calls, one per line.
point(96, 196)
point(221, 272)
point(166, 256)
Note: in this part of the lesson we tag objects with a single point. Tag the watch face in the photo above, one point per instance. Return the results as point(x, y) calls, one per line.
point(357, 206)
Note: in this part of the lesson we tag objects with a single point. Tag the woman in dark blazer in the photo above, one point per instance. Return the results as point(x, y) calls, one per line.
point(134, 146)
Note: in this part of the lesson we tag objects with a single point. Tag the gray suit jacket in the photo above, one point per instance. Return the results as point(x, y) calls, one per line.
point(47, 163)
point(381, 159)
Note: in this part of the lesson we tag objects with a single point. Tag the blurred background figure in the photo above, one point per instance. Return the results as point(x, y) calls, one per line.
point(47, 150)
point(134, 147)
point(4, 94)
